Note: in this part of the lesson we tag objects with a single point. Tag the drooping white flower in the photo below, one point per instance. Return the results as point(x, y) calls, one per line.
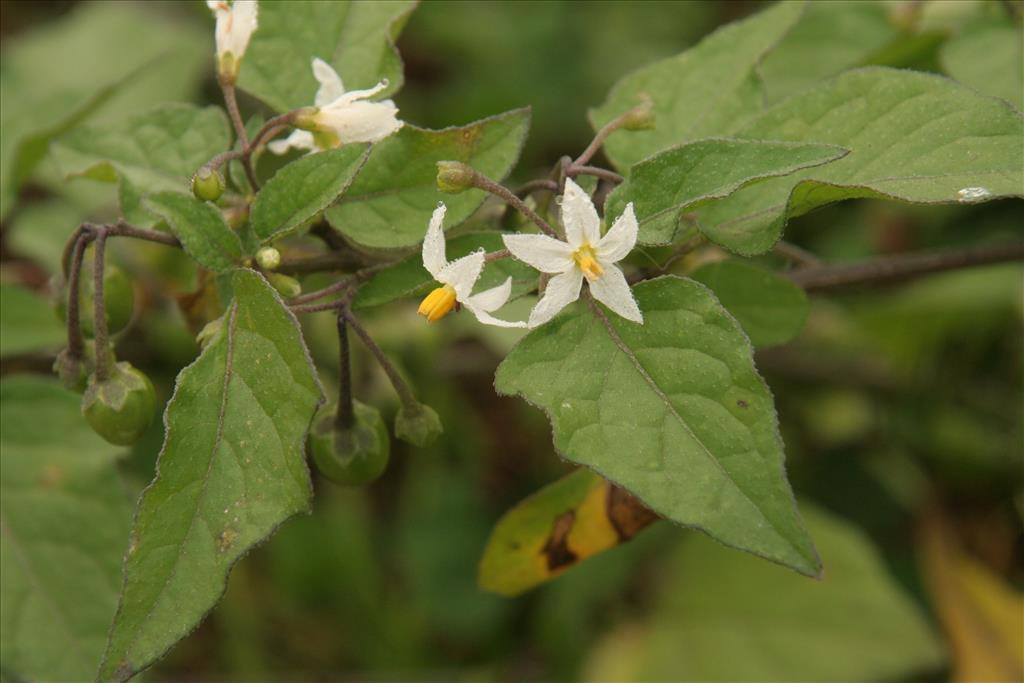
point(340, 117)
point(584, 254)
point(457, 279)
point(235, 25)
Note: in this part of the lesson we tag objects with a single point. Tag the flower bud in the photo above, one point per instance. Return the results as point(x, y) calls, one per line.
point(454, 176)
point(640, 117)
point(121, 407)
point(268, 258)
point(207, 184)
point(418, 425)
point(351, 456)
point(286, 286)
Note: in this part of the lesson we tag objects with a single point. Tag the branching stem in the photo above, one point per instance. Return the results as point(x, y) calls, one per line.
point(405, 394)
point(99, 322)
point(482, 182)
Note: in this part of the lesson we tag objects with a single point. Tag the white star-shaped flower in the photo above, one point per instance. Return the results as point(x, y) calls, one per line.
point(235, 25)
point(585, 254)
point(340, 117)
point(457, 279)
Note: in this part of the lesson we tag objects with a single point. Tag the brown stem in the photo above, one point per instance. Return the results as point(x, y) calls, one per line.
point(100, 307)
point(795, 254)
point(122, 229)
point(602, 173)
point(541, 184)
point(230, 100)
point(497, 255)
point(482, 182)
point(888, 269)
point(405, 394)
point(76, 344)
point(345, 417)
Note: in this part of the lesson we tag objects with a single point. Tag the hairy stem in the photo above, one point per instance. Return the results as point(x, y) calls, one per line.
point(231, 101)
point(100, 307)
point(602, 173)
point(405, 394)
point(482, 182)
point(76, 344)
point(345, 417)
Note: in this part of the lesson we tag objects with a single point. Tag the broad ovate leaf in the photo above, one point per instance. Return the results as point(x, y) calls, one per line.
point(304, 188)
point(390, 202)
point(663, 186)
point(673, 411)
point(829, 38)
point(151, 152)
point(912, 136)
point(64, 519)
point(355, 38)
point(728, 618)
point(702, 92)
point(232, 469)
point(201, 229)
point(769, 307)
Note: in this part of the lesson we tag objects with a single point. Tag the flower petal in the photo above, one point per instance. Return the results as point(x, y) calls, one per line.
point(331, 87)
point(488, 319)
point(561, 291)
point(243, 24)
point(433, 244)
point(354, 95)
point(579, 216)
point(299, 139)
point(492, 299)
point(462, 274)
point(360, 121)
point(540, 251)
point(613, 291)
point(620, 239)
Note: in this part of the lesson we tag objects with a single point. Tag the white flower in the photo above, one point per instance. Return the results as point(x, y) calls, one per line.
point(340, 117)
point(585, 254)
point(457, 279)
point(235, 25)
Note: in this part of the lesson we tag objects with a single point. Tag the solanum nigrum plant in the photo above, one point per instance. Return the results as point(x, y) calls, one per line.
point(641, 285)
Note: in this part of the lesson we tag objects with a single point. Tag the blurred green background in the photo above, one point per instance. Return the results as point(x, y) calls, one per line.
point(900, 409)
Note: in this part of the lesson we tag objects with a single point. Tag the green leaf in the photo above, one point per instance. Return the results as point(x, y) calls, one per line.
point(990, 59)
point(200, 227)
point(564, 523)
point(728, 618)
point(409, 278)
point(94, 80)
point(389, 203)
point(829, 38)
point(769, 308)
point(663, 186)
point(672, 410)
point(27, 322)
point(356, 38)
point(702, 92)
point(303, 189)
point(64, 519)
point(232, 468)
point(913, 137)
point(155, 151)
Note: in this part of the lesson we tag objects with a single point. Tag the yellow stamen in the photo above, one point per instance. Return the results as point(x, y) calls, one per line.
point(586, 259)
point(438, 303)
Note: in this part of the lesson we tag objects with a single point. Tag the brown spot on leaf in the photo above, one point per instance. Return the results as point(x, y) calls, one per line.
point(627, 515)
point(556, 549)
point(741, 403)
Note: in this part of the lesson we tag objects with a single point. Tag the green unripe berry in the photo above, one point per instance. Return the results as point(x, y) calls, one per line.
point(72, 371)
point(118, 298)
point(207, 184)
point(120, 408)
point(418, 425)
point(268, 258)
point(351, 456)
